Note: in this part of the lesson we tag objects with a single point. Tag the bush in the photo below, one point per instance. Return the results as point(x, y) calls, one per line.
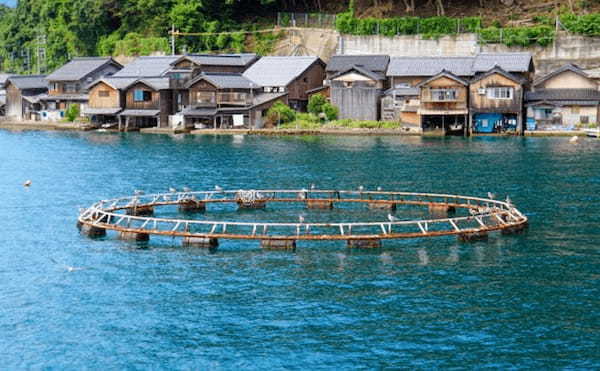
point(280, 113)
point(315, 104)
point(331, 112)
point(72, 112)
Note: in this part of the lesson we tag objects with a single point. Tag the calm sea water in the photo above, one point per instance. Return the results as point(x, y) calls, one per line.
point(529, 301)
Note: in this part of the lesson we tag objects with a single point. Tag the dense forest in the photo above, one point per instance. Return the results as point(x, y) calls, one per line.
point(39, 35)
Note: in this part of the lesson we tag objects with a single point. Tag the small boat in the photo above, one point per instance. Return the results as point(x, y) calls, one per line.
point(594, 133)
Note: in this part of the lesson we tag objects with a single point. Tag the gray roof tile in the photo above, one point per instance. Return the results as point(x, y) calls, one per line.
point(29, 82)
point(562, 94)
point(240, 60)
point(147, 66)
point(225, 80)
point(510, 62)
point(375, 63)
point(278, 71)
point(430, 66)
point(78, 68)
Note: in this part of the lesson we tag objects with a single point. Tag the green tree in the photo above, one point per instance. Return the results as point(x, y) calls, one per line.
point(315, 104)
point(280, 113)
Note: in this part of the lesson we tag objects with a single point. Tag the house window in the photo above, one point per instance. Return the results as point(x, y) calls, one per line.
point(206, 97)
point(103, 93)
point(70, 88)
point(444, 94)
point(500, 93)
point(140, 95)
point(54, 86)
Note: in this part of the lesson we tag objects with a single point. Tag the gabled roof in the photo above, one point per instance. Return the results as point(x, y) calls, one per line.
point(29, 82)
point(375, 63)
point(566, 68)
point(377, 76)
point(78, 68)
point(155, 83)
point(239, 60)
point(500, 71)
point(225, 81)
point(118, 83)
point(3, 78)
point(460, 66)
point(403, 91)
point(430, 66)
point(279, 71)
point(511, 62)
point(147, 66)
point(563, 94)
point(444, 73)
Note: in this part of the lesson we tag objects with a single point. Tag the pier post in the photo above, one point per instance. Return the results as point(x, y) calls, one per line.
point(441, 209)
point(141, 210)
point(258, 204)
point(382, 206)
point(319, 204)
point(192, 206)
point(472, 236)
point(134, 236)
point(289, 245)
point(515, 230)
point(363, 244)
point(201, 242)
point(91, 231)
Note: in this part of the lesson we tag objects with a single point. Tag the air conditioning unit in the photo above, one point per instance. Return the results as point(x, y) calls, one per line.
point(481, 91)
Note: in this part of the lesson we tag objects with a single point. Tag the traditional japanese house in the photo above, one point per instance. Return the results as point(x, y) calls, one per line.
point(68, 84)
point(147, 104)
point(356, 84)
point(496, 102)
point(406, 72)
point(562, 100)
point(293, 75)
point(443, 104)
point(227, 100)
point(23, 95)
point(107, 99)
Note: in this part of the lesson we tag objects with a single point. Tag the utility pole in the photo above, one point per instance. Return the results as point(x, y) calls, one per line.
point(173, 39)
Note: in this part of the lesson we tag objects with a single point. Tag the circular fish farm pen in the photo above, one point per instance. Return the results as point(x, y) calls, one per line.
point(203, 219)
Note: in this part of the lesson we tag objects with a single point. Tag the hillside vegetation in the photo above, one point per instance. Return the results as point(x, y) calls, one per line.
point(40, 35)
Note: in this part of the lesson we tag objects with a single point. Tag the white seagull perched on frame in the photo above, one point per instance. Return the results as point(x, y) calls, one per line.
point(218, 189)
point(138, 192)
point(392, 218)
point(491, 196)
point(172, 190)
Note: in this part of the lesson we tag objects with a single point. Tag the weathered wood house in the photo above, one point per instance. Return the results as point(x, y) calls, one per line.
point(69, 84)
point(496, 102)
point(402, 104)
point(292, 75)
point(226, 100)
point(562, 99)
point(107, 99)
point(23, 95)
point(444, 104)
point(148, 103)
point(356, 84)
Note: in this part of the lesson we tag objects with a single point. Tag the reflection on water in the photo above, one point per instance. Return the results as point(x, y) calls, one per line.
point(529, 300)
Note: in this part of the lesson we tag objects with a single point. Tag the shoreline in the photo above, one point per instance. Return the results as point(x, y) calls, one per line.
point(75, 126)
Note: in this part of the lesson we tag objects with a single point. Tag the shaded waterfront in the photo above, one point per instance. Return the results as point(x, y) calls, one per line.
point(530, 300)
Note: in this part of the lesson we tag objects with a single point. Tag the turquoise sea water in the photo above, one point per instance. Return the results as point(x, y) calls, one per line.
point(528, 301)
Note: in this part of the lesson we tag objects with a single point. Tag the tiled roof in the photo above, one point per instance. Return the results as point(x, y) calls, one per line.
point(147, 67)
point(376, 63)
point(225, 80)
point(278, 71)
point(377, 76)
point(140, 112)
point(499, 71)
point(567, 67)
point(240, 60)
point(562, 94)
point(3, 78)
point(78, 68)
point(116, 82)
point(511, 62)
point(403, 91)
point(430, 66)
point(65, 97)
point(460, 66)
point(156, 83)
point(444, 73)
point(29, 82)
point(100, 111)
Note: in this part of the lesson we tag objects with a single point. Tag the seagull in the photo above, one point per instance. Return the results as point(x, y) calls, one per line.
point(172, 190)
point(379, 189)
point(301, 218)
point(491, 196)
point(138, 192)
point(574, 139)
point(313, 186)
point(27, 183)
point(187, 189)
point(392, 218)
point(361, 188)
point(508, 200)
point(218, 189)
point(67, 267)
